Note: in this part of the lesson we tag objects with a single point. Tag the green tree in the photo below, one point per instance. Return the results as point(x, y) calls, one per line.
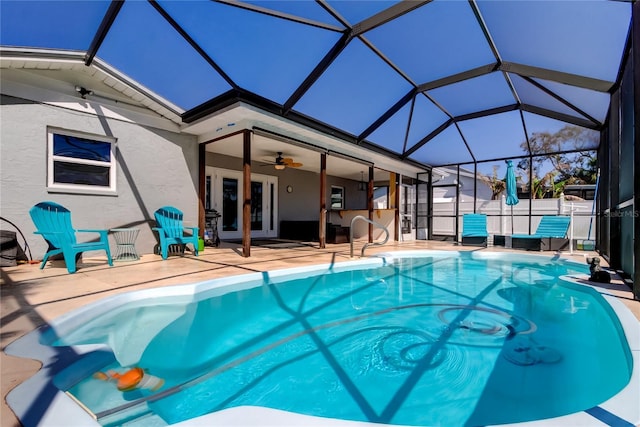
point(496, 184)
point(561, 158)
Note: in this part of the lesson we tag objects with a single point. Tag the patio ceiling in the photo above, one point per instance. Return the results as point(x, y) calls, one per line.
point(426, 82)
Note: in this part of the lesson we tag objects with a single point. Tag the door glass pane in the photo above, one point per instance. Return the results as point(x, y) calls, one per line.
point(422, 210)
point(207, 197)
point(256, 205)
point(271, 194)
point(229, 204)
point(381, 197)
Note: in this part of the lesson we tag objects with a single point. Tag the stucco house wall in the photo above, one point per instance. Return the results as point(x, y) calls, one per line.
point(440, 193)
point(154, 168)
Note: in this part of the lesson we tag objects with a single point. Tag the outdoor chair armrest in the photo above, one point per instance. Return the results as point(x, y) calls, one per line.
point(103, 233)
point(194, 230)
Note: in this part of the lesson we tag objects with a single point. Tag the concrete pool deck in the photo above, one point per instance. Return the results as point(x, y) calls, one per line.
point(31, 297)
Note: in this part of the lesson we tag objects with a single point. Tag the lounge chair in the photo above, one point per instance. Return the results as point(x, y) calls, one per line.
point(474, 229)
point(53, 223)
point(171, 230)
point(551, 235)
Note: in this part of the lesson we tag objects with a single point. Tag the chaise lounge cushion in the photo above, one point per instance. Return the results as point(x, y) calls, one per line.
point(474, 229)
point(550, 235)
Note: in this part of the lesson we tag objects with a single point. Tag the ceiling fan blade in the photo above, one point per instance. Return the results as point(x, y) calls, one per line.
point(294, 165)
point(287, 160)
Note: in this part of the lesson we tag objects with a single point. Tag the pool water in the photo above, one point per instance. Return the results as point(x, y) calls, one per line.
point(440, 339)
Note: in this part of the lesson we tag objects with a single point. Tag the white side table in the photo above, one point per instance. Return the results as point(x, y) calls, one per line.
point(125, 244)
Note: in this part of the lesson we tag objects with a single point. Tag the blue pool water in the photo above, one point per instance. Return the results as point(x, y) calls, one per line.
point(437, 339)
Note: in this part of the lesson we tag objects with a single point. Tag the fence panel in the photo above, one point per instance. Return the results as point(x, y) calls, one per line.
point(499, 216)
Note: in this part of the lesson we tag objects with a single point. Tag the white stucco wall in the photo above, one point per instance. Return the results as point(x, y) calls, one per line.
point(154, 168)
point(466, 190)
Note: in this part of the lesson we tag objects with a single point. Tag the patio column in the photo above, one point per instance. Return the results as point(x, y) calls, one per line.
point(475, 187)
point(503, 210)
point(457, 224)
point(530, 189)
point(370, 202)
point(322, 232)
point(394, 203)
point(202, 191)
point(246, 193)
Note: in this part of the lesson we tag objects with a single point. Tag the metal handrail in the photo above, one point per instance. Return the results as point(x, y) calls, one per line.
point(377, 224)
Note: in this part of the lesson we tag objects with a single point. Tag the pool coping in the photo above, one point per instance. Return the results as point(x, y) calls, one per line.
point(37, 401)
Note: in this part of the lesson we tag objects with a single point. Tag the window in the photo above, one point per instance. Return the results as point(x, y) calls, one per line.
point(337, 197)
point(80, 163)
point(381, 197)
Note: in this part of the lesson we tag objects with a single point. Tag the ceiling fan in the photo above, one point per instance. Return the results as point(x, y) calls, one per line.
point(285, 162)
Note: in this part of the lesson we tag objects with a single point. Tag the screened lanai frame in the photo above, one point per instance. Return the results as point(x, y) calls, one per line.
point(377, 74)
point(340, 45)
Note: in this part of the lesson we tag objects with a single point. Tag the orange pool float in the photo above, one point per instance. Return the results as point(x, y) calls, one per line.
point(132, 379)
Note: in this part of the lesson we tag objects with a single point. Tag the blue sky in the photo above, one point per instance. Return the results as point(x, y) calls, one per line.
point(272, 57)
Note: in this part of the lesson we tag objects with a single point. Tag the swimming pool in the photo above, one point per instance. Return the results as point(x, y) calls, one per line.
point(413, 338)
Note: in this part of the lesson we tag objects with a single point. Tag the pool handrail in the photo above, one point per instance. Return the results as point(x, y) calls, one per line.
point(376, 224)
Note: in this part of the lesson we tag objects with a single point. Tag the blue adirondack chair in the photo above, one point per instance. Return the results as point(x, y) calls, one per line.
point(53, 223)
point(171, 230)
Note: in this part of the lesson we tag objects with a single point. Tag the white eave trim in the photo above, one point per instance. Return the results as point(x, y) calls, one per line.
point(28, 58)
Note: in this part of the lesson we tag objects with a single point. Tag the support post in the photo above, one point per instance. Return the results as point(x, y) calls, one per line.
point(530, 189)
point(202, 191)
point(370, 203)
point(322, 232)
point(571, 229)
point(503, 204)
point(475, 187)
point(394, 200)
point(429, 202)
point(457, 225)
point(246, 194)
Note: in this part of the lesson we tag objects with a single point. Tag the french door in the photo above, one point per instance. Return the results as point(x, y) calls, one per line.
point(226, 197)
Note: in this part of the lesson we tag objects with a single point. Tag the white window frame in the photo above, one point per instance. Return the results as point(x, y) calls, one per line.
point(53, 186)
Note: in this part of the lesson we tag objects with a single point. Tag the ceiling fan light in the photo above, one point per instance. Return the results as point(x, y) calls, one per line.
point(280, 167)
